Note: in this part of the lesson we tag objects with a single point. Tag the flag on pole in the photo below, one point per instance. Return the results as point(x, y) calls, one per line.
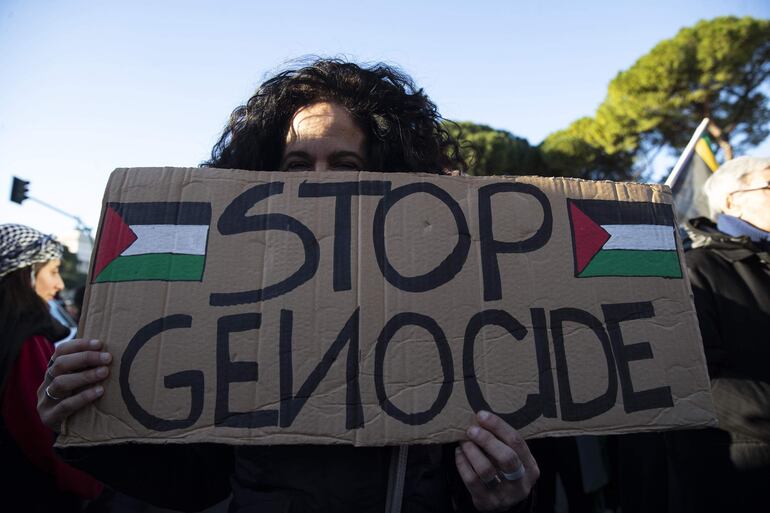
point(691, 171)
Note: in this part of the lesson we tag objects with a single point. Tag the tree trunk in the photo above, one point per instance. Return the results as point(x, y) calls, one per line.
point(721, 140)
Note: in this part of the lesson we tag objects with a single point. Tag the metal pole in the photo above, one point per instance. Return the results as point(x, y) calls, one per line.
point(685, 156)
point(82, 227)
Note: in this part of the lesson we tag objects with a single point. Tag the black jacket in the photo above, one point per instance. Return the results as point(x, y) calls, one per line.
point(271, 479)
point(728, 468)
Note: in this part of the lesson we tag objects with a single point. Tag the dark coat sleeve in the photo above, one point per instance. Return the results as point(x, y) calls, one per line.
point(714, 346)
point(742, 403)
point(743, 406)
point(186, 477)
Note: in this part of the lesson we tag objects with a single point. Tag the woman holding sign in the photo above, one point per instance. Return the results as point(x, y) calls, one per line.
point(329, 115)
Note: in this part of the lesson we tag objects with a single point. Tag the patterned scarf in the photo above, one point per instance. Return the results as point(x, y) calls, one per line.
point(22, 246)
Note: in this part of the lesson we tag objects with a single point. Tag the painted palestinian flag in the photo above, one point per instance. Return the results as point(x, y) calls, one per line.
point(152, 241)
point(621, 238)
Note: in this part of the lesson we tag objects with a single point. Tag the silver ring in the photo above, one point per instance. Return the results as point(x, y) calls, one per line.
point(515, 475)
point(50, 395)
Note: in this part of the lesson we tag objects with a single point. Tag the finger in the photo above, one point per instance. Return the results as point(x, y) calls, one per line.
point(481, 464)
point(79, 361)
point(76, 345)
point(71, 347)
point(506, 433)
point(66, 407)
point(66, 384)
point(473, 483)
point(503, 457)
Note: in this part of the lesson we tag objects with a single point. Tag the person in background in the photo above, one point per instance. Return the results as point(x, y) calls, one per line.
point(75, 308)
point(327, 115)
point(728, 469)
point(61, 314)
point(34, 479)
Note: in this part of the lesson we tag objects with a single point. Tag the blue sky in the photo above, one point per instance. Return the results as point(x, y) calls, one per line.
point(87, 87)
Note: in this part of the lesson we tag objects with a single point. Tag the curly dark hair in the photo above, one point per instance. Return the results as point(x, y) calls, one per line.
point(402, 126)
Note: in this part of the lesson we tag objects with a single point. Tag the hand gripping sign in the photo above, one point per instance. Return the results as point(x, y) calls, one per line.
point(370, 309)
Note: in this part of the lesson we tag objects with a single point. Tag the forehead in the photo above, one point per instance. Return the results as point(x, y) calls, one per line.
point(756, 176)
point(324, 121)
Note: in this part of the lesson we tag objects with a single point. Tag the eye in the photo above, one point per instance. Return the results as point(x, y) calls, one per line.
point(347, 165)
point(296, 165)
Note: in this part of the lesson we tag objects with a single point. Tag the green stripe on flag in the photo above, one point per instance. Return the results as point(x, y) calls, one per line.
point(628, 262)
point(154, 266)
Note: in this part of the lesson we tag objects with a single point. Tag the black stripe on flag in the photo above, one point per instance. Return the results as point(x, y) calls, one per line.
point(187, 212)
point(626, 212)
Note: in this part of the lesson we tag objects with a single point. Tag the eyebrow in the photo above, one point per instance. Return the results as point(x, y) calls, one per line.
point(336, 154)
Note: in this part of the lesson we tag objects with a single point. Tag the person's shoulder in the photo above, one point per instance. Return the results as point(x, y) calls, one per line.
point(40, 341)
point(703, 257)
point(36, 347)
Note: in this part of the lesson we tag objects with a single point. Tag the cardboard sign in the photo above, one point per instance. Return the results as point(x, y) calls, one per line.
point(368, 308)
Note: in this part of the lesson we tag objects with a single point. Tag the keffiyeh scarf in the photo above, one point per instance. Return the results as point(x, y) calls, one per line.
point(22, 246)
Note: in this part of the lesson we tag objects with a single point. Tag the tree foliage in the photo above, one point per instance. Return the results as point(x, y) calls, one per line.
point(578, 151)
point(718, 69)
point(489, 151)
point(569, 152)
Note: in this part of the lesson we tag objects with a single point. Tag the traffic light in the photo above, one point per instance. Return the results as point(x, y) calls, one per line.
point(19, 190)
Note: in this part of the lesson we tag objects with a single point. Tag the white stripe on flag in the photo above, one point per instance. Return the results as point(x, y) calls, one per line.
point(640, 236)
point(184, 239)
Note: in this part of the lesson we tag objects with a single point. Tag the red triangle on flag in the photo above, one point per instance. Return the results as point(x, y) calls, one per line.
point(116, 236)
point(588, 237)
